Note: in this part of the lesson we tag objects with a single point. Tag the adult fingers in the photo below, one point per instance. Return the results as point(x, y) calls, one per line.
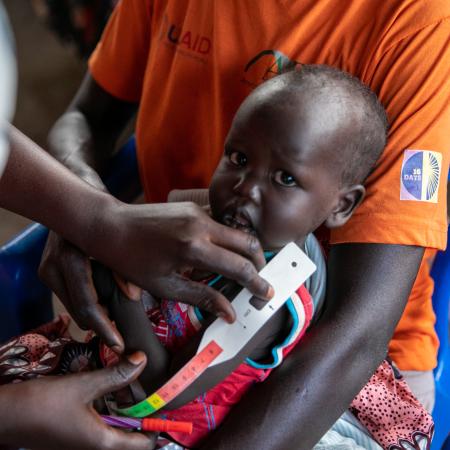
point(54, 280)
point(197, 294)
point(50, 274)
point(67, 271)
point(112, 378)
point(86, 309)
point(231, 265)
point(239, 242)
point(114, 439)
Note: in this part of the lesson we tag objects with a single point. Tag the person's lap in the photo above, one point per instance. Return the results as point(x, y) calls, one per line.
point(349, 434)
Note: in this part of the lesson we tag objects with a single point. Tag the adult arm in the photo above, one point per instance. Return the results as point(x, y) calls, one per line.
point(165, 238)
point(368, 287)
point(35, 185)
point(85, 136)
point(83, 139)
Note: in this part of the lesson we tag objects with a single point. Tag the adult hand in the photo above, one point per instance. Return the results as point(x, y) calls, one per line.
point(56, 412)
point(67, 272)
point(155, 245)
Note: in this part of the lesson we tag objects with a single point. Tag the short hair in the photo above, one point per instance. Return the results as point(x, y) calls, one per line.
point(362, 151)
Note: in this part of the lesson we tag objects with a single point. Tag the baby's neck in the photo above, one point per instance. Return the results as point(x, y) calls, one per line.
point(299, 241)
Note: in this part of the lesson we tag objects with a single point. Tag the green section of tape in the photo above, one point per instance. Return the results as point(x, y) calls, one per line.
point(140, 410)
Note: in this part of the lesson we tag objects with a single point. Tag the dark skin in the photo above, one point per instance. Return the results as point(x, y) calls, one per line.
point(83, 139)
point(377, 297)
point(280, 176)
point(32, 414)
point(180, 229)
point(35, 185)
point(312, 172)
point(301, 405)
point(277, 180)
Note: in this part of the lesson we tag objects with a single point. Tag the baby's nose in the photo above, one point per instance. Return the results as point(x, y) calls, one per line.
point(249, 187)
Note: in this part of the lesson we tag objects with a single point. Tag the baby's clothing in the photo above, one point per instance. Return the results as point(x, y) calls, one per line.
point(385, 406)
point(176, 323)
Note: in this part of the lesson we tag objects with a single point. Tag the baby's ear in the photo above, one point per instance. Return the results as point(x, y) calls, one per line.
point(349, 199)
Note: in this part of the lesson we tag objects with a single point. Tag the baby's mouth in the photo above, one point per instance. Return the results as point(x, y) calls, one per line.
point(239, 221)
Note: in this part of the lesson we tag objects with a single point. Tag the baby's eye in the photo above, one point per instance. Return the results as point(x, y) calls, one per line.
point(238, 158)
point(284, 178)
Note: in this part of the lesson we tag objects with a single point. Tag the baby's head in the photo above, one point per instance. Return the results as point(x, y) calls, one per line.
point(296, 156)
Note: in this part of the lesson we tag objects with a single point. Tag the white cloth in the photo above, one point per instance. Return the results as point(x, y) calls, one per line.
point(422, 386)
point(8, 84)
point(347, 434)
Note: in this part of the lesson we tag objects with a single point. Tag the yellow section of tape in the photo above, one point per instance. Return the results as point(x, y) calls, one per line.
point(156, 401)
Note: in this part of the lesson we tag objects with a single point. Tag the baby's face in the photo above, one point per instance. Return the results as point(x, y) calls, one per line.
point(277, 178)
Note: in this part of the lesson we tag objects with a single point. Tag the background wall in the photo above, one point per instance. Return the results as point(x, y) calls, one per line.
point(49, 74)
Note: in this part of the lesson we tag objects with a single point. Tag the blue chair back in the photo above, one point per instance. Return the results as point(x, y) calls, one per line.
point(441, 302)
point(25, 302)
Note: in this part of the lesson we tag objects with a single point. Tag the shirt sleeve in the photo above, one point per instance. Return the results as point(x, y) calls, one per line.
point(406, 193)
point(118, 63)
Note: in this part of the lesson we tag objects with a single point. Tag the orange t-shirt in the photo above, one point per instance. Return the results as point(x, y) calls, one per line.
point(190, 63)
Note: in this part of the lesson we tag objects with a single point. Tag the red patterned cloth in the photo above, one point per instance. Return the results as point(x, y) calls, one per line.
point(388, 409)
point(47, 350)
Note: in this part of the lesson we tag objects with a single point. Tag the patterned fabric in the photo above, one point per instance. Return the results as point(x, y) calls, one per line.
point(47, 350)
point(388, 409)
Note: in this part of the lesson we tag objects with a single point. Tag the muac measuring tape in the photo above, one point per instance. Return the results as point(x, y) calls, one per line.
point(286, 272)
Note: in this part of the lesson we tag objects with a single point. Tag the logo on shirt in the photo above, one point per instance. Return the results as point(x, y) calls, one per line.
point(265, 65)
point(421, 170)
point(188, 39)
point(185, 41)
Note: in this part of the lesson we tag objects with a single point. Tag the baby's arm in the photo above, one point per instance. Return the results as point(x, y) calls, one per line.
point(132, 322)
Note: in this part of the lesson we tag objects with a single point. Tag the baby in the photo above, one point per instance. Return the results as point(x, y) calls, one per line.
point(298, 152)
point(296, 157)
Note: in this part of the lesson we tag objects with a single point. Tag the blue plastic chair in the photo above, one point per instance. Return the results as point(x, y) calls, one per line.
point(441, 302)
point(25, 302)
